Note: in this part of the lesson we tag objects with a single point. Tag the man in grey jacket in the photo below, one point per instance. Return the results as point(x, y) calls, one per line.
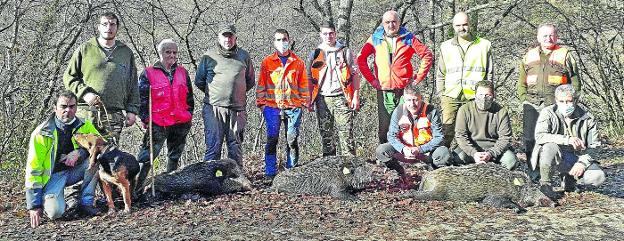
point(566, 135)
point(225, 74)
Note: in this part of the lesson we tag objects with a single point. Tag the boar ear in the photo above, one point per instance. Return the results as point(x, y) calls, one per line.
point(346, 171)
point(518, 182)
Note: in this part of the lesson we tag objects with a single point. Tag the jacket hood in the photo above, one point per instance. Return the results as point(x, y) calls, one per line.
point(47, 127)
point(379, 33)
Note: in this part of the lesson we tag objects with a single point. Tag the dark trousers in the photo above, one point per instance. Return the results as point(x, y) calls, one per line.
point(175, 136)
point(529, 120)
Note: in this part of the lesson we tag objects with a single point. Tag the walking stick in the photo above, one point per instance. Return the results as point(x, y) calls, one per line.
point(258, 133)
point(151, 141)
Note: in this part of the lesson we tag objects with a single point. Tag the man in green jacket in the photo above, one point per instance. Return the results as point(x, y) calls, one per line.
point(483, 130)
point(566, 137)
point(54, 161)
point(102, 73)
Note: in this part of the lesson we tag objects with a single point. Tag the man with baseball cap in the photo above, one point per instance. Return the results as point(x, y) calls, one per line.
point(225, 74)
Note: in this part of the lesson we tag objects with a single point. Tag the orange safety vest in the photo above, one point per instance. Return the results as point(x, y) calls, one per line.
point(418, 134)
point(319, 69)
point(554, 72)
point(282, 86)
point(169, 104)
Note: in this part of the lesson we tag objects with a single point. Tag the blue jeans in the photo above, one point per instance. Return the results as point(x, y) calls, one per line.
point(220, 123)
point(274, 118)
point(53, 191)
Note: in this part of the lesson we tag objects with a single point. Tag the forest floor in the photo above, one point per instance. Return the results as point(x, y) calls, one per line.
point(379, 215)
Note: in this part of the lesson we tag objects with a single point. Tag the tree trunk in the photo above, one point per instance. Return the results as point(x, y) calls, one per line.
point(344, 20)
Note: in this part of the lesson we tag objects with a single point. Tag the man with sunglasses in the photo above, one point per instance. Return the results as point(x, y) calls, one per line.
point(483, 131)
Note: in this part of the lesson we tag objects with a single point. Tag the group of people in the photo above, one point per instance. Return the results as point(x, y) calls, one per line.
point(559, 135)
point(470, 127)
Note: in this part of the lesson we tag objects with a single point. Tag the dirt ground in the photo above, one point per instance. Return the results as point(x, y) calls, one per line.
point(380, 215)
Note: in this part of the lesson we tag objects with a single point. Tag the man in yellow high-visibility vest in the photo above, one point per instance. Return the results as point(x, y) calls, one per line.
point(464, 60)
point(55, 161)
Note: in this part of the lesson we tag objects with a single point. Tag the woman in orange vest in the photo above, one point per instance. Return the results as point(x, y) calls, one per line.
point(172, 107)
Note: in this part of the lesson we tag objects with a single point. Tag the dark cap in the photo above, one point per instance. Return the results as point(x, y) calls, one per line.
point(227, 28)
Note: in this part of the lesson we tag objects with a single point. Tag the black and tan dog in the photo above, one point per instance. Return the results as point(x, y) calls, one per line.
point(116, 167)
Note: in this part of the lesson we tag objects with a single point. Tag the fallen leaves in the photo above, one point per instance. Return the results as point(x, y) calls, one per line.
point(379, 215)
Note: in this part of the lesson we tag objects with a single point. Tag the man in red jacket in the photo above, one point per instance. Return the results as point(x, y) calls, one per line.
point(392, 47)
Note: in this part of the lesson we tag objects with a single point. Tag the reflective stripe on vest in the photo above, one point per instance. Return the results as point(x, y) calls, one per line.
point(319, 69)
point(169, 104)
point(553, 72)
point(415, 134)
point(464, 71)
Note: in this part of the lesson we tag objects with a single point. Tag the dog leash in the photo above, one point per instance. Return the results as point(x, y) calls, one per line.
point(108, 127)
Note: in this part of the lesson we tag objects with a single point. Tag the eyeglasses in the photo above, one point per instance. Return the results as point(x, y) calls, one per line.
point(328, 33)
point(107, 24)
point(485, 96)
point(281, 39)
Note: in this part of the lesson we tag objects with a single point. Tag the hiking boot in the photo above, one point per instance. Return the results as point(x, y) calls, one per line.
point(88, 210)
point(547, 190)
point(268, 180)
point(568, 183)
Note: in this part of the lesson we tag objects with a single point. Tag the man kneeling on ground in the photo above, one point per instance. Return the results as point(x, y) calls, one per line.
point(55, 161)
point(566, 135)
point(415, 134)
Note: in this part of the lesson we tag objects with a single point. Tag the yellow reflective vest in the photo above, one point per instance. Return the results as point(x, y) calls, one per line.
point(463, 69)
point(42, 151)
